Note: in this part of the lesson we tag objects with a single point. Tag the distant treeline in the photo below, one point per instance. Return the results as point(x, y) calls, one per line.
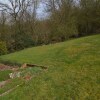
point(20, 28)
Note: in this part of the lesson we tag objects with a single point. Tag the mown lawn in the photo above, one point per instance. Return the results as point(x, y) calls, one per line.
point(73, 71)
point(4, 75)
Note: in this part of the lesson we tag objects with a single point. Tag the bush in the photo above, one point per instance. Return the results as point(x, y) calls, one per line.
point(22, 40)
point(3, 48)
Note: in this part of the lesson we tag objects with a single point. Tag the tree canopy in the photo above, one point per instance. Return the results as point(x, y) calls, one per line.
point(20, 27)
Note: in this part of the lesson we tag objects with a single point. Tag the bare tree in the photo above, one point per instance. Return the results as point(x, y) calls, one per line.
point(16, 7)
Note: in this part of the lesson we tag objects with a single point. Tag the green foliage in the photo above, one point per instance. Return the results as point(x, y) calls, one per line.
point(3, 48)
point(66, 19)
point(63, 22)
point(73, 71)
point(89, 17)
point(22, 40)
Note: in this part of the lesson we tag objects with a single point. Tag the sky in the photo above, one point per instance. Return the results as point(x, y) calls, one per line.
point(41, 14)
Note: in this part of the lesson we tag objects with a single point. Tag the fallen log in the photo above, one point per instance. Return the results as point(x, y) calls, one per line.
point(33, 65)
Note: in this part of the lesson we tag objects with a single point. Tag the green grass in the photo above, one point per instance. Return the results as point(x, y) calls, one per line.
point(73, 71)
point(30, 71)
point(4, 75)
point(11, 84)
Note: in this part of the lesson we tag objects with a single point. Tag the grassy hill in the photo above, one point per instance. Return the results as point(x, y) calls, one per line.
point(73, 71)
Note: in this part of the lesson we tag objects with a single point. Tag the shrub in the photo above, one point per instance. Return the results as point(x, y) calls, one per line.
point(22, 40)
point(3, 48)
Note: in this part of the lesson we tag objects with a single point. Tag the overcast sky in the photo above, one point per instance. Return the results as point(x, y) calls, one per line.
point(40, 11)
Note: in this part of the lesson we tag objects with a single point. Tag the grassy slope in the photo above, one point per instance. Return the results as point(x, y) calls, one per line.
point(73, 72)
point(4, 75)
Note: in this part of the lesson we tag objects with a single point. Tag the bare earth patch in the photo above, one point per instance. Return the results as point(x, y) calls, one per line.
point(3, 83)
point(5, 67)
